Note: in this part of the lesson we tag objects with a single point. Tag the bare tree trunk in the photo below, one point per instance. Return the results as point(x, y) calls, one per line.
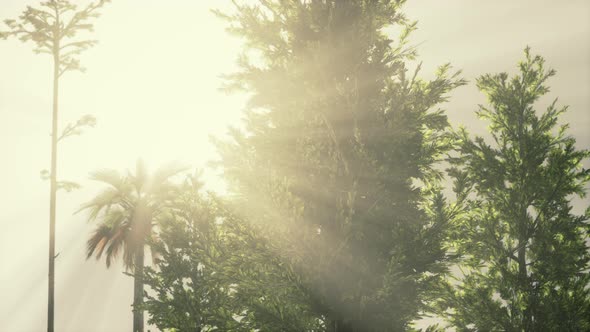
point(53, 192)
point(138, 290)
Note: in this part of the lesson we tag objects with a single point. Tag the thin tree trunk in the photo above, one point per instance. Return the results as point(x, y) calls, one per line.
point(523, 276)
point(524, 227)
point(138, 290)
point(53, 192)
point(522, 268)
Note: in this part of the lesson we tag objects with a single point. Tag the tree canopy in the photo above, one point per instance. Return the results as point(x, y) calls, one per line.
point(338, 134)
point(525, 255)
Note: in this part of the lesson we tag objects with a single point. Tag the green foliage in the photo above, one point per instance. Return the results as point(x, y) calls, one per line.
point(202, 277)
point(525, 260)
point(338, 131)
point(187, 294)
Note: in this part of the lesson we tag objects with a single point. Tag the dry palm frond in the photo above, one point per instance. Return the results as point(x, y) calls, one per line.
point(129, 210)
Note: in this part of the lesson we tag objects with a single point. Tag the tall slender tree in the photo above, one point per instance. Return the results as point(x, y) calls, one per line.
point(525, 259)
point(54, 27)
point(337, 132)
point(129, 210)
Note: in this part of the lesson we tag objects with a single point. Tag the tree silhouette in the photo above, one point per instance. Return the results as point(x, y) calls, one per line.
point(54, 27)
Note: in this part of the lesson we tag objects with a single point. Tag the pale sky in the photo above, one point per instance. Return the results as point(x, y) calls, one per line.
point(152, 85)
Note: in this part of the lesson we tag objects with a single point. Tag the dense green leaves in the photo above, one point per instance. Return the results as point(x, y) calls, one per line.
point(525, 260)
point(208, 272)
point(336, 219)
point(337, 132)
point(186, 294)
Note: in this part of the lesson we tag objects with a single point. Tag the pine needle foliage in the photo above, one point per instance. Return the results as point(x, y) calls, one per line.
point(338, 133)
point(525, 252)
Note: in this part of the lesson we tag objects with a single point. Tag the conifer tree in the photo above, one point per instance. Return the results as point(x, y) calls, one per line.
point(337, 132)
point(525, 258)
point(200, 281)
point(54, 28)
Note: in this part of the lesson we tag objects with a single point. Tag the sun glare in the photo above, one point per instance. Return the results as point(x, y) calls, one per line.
point(153, 82)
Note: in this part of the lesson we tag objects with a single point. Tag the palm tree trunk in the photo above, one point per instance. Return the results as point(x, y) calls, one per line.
point(138, 290)
point(53, 192)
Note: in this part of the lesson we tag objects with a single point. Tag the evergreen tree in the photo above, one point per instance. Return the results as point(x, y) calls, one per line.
point(53, 28)
point(338, 134)
point(187, 293)
point(201, 280)
point(525, 260)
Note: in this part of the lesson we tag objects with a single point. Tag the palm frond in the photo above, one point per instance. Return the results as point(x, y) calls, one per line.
point(127, 210)
point(109, 235)
point(109, 176)
point(98, 241)
point(164, 173)
point(104, 201)
point(119, 236)
point(161, 190)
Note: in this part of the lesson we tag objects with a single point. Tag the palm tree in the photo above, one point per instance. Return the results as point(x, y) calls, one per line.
point(128, 210)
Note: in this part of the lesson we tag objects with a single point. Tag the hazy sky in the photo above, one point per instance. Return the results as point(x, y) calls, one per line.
point(152, 84)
